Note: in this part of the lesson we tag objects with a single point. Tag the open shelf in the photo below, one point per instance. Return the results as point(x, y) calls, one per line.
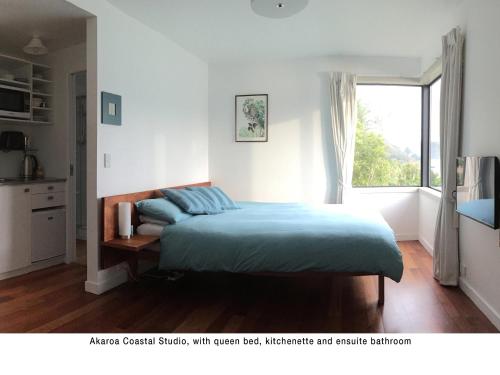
point(4, 120)
point(41, 80)
point(14, 83)
point(32, 78)
point(41, 94)
point(23, 89)
point(39, 65)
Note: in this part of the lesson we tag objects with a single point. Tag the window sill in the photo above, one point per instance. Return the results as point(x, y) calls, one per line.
point(431, 192)
point(384, 190)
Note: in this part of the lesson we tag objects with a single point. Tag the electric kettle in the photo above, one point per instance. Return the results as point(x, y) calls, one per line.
point(28, 166)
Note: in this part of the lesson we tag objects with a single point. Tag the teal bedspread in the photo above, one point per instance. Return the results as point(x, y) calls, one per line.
point(283, 237)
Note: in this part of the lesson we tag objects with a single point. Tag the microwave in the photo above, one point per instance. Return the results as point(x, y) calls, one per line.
point(14, 102)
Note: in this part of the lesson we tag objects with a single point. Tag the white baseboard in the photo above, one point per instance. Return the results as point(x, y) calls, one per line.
point(33, 267)
point(480, 302)
point(108, 279)
point(406, 237)
point(427, 245)
point(112, 277)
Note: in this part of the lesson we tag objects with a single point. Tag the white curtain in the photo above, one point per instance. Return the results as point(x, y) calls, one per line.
point(472, 173)
point(344, 117)
point(446, 259)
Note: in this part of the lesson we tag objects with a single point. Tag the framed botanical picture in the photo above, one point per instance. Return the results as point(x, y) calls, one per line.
point(251, 118)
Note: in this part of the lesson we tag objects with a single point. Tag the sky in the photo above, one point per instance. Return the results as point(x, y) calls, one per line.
point(397, 112)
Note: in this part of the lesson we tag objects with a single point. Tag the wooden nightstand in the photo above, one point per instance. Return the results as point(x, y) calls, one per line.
point(135, 243)
point(122, 250)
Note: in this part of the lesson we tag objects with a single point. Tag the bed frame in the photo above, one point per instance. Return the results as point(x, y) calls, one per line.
point(110, 256)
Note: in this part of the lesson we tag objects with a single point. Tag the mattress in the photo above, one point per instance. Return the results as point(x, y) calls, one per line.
point(150, 229)
point(283, 237)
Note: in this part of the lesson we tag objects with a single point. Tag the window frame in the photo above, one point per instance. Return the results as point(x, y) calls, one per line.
point(425, 134)
point(421, 137)
point(428, 166)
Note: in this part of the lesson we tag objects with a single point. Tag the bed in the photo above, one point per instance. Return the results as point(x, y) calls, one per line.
point(283, 238)
point(280, 238)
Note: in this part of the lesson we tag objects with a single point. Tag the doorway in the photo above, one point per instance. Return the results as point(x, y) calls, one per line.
point(79, 164)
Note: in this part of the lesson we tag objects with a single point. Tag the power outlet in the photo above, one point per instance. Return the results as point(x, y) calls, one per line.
point(464, 272)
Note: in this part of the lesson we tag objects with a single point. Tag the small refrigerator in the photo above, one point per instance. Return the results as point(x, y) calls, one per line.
point(48, 229)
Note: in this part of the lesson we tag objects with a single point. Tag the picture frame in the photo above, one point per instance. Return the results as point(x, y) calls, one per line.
point(111, 109)
point(251, 118)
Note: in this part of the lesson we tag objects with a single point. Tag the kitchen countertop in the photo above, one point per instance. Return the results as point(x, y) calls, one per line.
point(24, 181)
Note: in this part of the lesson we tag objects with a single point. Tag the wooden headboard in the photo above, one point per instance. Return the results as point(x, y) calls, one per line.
point(110, 208)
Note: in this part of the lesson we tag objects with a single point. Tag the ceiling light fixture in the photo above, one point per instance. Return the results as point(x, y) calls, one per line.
point(35, 47)
point(278, 9)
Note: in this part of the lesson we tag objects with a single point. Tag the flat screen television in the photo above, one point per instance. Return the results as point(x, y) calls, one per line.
point(477, 189)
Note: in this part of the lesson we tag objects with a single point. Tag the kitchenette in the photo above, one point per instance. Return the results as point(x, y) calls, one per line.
point(32, 204)
point(33, 217)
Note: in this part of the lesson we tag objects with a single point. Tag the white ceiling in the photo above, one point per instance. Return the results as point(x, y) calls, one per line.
point(229, 31)
point(58, 23)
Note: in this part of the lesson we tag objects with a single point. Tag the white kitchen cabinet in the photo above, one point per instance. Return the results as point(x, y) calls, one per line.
point(39, 201)
point(48, 187)
point(48, 234)
point(15, 227)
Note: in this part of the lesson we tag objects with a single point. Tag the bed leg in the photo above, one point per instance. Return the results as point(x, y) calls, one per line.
point(381, 290)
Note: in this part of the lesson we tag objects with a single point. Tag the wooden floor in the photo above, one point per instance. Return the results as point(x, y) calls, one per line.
point(53, 300)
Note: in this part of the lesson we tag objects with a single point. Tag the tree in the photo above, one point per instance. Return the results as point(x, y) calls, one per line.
point(435, 180)
point(372, 163)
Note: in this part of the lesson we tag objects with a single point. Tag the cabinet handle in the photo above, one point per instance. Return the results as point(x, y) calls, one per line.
point(50, 198)
point(50, 218)
point(50, 188)
point(27, 190)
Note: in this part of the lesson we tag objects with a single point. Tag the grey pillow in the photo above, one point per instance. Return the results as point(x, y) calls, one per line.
point(216, 195)
point(192, 202)
point(161, 209)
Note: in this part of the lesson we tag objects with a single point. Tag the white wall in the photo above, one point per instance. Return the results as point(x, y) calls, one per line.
point(295, 165)
point(479, 246)
point(428, 205)
point(398, 206)
point(163, 140)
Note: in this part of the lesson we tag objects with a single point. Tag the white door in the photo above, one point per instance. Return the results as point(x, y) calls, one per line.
point(15, 227)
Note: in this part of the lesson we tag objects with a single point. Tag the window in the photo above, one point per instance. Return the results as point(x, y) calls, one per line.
point(434, 136)
point(388, 136)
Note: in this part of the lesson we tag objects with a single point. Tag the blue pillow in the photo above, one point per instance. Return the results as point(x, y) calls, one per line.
point(161, 209)
point(216, 195)
point(192, 202)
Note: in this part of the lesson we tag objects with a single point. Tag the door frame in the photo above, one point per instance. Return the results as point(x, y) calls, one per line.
point(71, 176)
